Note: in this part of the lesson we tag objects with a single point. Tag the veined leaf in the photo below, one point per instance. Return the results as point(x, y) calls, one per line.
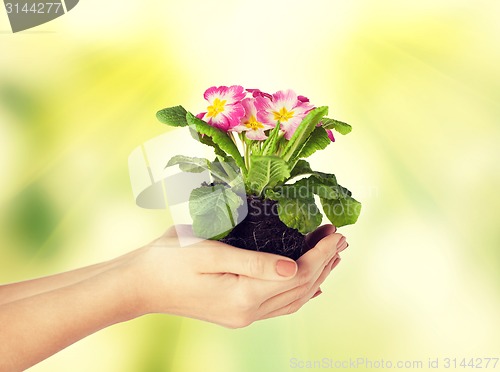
point(339, 126)
point(221, 171)
point(342, 211)
point(338, 204)
point(266, 171)
point(270, 145)
point(315, 184)
point(206, 140)
point(317, 141)
point(299, 213)
point(322, 184)
point(189, 164)
point(303, 132)
point(174, 116)
point(219, 137)
point(300, 168)
point(214, 210)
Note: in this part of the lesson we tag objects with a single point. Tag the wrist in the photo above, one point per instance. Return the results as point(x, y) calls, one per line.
point(136, 284)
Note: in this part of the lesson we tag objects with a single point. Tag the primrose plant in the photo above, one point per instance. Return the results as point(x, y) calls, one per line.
point(260, 141)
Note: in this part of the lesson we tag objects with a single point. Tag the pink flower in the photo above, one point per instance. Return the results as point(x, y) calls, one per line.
point(330, 135)
point(253, 128)
point(329, 132)
point(258, 92)
point(225, 109)
point(284, 107)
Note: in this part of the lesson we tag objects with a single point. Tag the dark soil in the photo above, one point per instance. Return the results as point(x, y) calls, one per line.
point(262, 230)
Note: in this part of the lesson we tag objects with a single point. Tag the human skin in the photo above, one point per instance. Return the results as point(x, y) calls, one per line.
point(209, 281)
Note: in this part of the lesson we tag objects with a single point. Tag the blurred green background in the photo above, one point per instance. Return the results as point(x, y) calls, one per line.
point(419, 82)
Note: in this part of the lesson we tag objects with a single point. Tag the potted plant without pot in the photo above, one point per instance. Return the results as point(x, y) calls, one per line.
point(262, 194)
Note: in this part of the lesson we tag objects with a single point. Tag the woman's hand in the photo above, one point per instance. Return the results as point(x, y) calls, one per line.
point(229, 286)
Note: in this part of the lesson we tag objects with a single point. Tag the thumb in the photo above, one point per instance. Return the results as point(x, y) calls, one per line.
point(259, 265)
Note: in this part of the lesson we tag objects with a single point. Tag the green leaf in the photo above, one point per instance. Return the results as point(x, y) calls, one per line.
point(323, 186)
point(303, 132)
point(317, 141)
point(189, 164)
point(206, 140)
point(174, 116)
point(338, 204)
point(222, 171)
point(218, 137)
point(214, 210)
point(342, 211)
point(266, 172)
point(339, 126)
point(270, 145)
point(299, 213)
point(300, 168)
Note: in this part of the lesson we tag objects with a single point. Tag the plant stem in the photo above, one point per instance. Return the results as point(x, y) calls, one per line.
point(247, 156)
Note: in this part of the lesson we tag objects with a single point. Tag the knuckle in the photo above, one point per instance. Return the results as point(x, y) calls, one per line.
point(256, 266)
point(241, 321)
point(243, 300)
point(243, 305)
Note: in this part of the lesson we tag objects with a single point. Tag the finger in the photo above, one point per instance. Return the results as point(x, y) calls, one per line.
point(310, 266)
point(318, 292)
point(335, 263)
point(314, 237)
point(259, 265)
point(306, 290)
point(313, 261)
point(286, 304)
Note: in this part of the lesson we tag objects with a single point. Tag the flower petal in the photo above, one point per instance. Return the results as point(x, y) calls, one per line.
point(219, 121)
point(250, 109)
point(232, 94)
point(330, 135)
point(233, 114)
point(285, 98)
point(258, 135)
point(213, 93)
point(290, 126)
point(258, 93)
point(240, 128)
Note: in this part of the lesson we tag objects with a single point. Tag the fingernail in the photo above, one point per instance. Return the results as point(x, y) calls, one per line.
point(344, 246)
point(335, 263)
point(286, 268)
point(318, 292)
point(340, 242)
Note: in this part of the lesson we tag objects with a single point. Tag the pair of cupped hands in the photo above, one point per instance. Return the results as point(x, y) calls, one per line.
point(206, 280)
point(229, 286)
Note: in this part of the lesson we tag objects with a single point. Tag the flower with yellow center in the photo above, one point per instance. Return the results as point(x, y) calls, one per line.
point(283, 115)
point(284, 107)
point(253, 124)
point(224, 110)
point(216, 108)
point(253, 128)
